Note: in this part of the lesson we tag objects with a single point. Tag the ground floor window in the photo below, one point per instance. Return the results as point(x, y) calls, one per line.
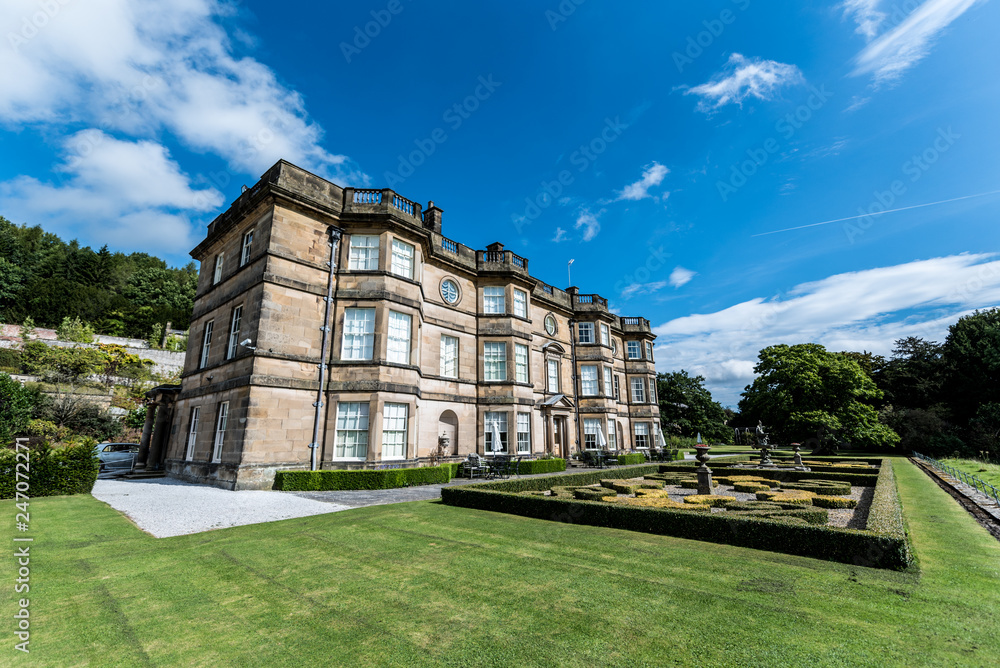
point(523, 433)
point(394, 431)
point(220, 431)
point(642, 435)
point(612, 440)
point(192, 432)
point(500, 420)
point(352, 431)
point(591, 441)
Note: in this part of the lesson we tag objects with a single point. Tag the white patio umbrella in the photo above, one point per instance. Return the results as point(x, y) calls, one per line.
point(661, 442)
point(601, 441)
point(497, 441)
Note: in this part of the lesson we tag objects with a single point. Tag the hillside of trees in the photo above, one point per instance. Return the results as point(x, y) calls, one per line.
point(48, 279)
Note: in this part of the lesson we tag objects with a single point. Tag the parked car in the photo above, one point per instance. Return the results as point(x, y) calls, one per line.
point(117, 457)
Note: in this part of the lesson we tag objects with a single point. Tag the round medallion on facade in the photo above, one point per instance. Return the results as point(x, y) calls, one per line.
point(449, 291)
point(550, 325)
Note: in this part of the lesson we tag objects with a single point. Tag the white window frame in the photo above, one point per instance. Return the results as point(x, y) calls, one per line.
point(494, 300)
point(552, 375)
point(398, 343)
point(352, 414)
point(403, 258)
point(520, 363)
point(488, 419)
point(638, 390)
point(363, 255)
point(590, 428)
point(192, 432)
point(618, 388)
point(449, 356)
point(394, 424)
point(495, 360)
point(588, 380)
point(649, 351)
point(550, 321)
point(221, 422)
point(587, 327)
point(642, 435)
point(454, 288)
point(235, 323)
point(358, 337)
point(520, 303)
point(217, 274)
point(652, 390)
point(612, 437)
point(609, 382)
point(524, 433)
point(605, 334)
point(206, 343)
point(246, 248)
point(633, 350)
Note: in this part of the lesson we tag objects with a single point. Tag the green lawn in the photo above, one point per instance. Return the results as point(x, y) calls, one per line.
point(988, 472)
point(423, 583)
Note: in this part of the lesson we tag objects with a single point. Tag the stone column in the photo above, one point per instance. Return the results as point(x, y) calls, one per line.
point(147, 430)
point(550, 435)
point(158, 442)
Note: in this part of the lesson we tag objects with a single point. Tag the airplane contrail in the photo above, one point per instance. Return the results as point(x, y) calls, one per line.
point(877, 213)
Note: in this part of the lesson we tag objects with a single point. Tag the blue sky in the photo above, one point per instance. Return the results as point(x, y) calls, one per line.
point(656, 144)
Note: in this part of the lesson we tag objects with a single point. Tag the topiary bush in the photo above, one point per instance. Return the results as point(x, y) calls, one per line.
point(834, 502)
point(321, 481)
point(593, 493)
point(714, 500)
point(693, 484)
point(628, 460)
point(750, 487)
point(827, 487)
point(51, 471)
point(796, 497)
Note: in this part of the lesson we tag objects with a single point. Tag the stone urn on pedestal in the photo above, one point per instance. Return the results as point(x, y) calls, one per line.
point(704, 473)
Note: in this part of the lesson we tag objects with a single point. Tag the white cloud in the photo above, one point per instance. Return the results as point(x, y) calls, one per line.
point(891, 54)
point(590, 223)
point(142, 68)
point(681, 276)
point(866, 14)
point(745, 77)
point(652, 176)
point(863, 310)
point(560, 236)
point(130, 190)
point(634, 289)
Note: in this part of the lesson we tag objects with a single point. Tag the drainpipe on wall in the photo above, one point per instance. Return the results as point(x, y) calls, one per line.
point(335, 235)
point(576, 388)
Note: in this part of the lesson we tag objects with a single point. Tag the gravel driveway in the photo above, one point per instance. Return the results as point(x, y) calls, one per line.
point(165, 507)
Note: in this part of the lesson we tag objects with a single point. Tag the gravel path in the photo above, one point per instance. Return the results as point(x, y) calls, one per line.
point(165, 507)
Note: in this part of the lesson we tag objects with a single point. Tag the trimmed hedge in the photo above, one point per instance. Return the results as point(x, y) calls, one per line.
point(826, 487)
point(534, 466)
point(629, 460)
point(51, 471)
point(833, 502)
point(324, 481)
point(882, 545)
point(856, 479)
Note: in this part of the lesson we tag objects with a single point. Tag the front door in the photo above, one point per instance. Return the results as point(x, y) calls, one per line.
point(559, 437)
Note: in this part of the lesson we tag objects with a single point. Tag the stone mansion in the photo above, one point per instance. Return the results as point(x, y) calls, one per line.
point(428, 344)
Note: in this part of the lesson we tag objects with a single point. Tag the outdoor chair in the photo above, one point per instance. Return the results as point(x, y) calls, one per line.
point(474, 466)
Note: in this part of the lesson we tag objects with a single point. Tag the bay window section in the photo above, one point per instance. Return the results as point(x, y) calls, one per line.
point(402, 258)
point(633, 350)
point(495, 360)
point(520, 303)
point(605, 335)
point(523, 433)
point(642, 435)
point(588, 381)
point(394, 431)
point(398, 348)
point(359, 334)
point(521, 363)
point(352, 431)
point(364, 253)
point(590, 428)
point(608, 382)
point(499, 419)
point(586, 332)
point(493, 301)
point(638, 391)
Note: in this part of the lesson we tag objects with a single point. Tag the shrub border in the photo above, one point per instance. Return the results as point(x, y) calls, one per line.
point(883, 544)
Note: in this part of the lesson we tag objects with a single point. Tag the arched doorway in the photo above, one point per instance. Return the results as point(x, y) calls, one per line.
point(448, 427)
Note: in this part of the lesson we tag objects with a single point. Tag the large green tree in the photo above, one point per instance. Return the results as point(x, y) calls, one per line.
point(971, 354)
point(805, 394)
point(687, 408)
point(16, 406)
